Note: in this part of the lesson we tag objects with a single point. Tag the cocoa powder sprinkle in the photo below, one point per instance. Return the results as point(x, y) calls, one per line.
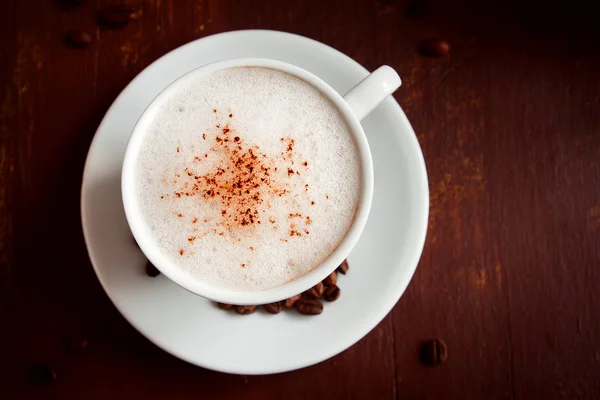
point(240, 185)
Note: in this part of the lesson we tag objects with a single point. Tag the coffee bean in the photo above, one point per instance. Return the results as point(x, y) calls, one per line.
point(309, 306)
point(331, 279)
point(419, 9)
point(289, 303)
point(225, 306)
point(151, 270)
point(433, 352)
point(433, 47)
point(343, 268)
point(119, 16)
point(316, 292)
point(42, 374)
point(78, 345)
point(273, 308)
point(78, 39)
point(244, 310)
point(331, 293)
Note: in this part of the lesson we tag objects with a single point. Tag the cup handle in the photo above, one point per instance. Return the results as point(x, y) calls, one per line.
point(368, 93)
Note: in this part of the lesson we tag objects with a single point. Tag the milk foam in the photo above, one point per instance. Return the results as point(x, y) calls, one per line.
point(298, 218)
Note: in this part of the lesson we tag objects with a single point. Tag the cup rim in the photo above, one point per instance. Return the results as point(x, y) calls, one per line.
point(288, 289)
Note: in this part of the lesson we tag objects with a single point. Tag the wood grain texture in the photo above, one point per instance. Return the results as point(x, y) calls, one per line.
point(510, 129)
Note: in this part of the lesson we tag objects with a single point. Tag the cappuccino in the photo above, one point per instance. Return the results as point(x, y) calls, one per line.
point(247, 178)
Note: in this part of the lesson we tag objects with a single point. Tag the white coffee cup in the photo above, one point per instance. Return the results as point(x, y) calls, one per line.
point(354, 106)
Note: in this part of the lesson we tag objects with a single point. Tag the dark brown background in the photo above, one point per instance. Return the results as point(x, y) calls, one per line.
point(509, 123)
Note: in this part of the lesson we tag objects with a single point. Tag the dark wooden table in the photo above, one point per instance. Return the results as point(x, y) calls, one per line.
point(509, 123)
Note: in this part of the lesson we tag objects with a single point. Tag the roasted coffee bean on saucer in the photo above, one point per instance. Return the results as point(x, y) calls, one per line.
point(244, 310)
point(289, 303)
point(306, 303)
point(273, 308)
point(308, 306)
point(343, 268)
point(225, 306)
point(332, 293)
point(151, 270)
point(331, 279)
point(316, 292)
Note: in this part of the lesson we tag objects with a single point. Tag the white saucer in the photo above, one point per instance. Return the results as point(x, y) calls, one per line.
point(192, 328)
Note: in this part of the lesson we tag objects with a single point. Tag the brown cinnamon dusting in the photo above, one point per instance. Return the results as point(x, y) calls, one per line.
point(181, 251)
point(242, 184)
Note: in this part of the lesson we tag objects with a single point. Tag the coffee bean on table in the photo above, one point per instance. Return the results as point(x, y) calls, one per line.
point(432, 47)
point(151, 270)
point(343, 268)
point(316, 292)
point(331, 279)
point(78, 345)
point(225, 306)
point(289, 303)
point(332, 293)
point(244, 310)
point(119, 16)
point(273, 308)
point(309, 306)
point(42, 374)
point(433, 352)
point(78, 39)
